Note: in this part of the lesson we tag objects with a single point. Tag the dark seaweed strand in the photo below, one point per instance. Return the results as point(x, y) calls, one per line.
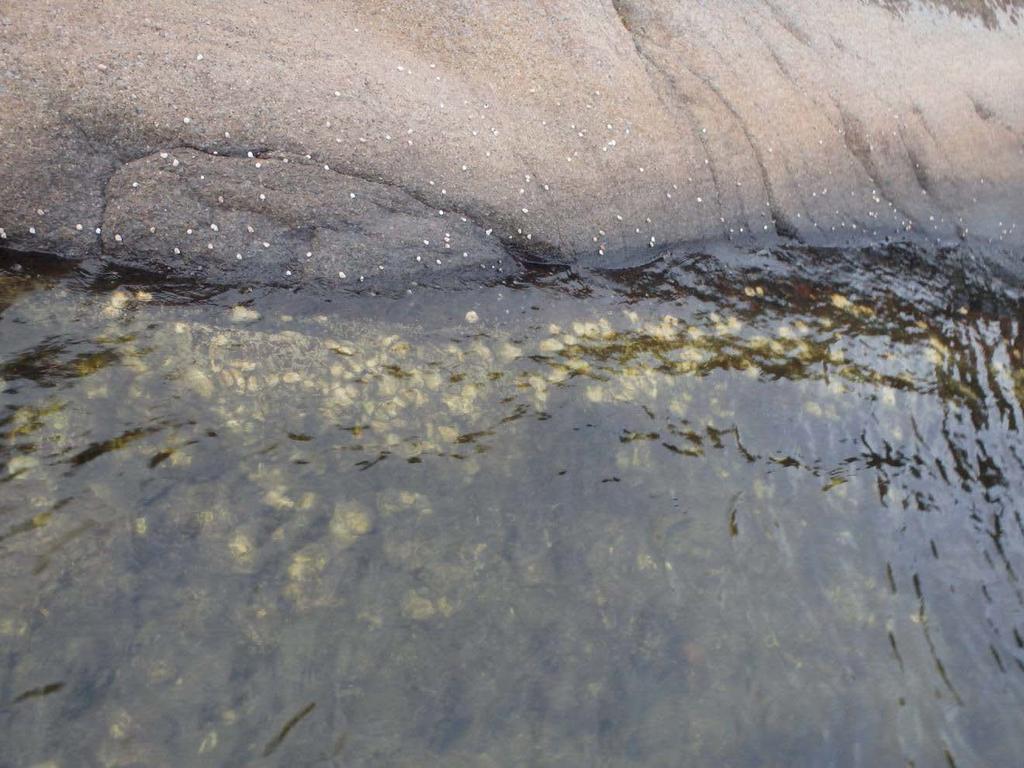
point(275, 742)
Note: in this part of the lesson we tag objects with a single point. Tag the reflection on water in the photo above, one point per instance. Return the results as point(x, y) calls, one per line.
point(702, 516)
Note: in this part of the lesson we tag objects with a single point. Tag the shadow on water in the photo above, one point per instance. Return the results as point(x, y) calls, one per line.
point(731, 507)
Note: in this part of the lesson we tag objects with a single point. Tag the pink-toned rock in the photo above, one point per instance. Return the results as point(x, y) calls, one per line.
point(602, 130)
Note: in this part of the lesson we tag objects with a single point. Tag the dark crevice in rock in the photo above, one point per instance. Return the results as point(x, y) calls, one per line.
point(918, 166)
point(788, 229)
point(783, 226)
point(919, 115)
point(651, 65)
point(677, 106)
point(988, 115)
point(623, 11)
point(982, 111)
point(857, 144)
point(787, 23)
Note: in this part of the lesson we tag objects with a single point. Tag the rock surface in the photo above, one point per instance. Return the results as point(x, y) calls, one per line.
point(227, 219)
point(602, 131)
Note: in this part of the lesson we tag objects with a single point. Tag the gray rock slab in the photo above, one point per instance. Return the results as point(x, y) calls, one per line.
point(239, 220)
point(602, 131)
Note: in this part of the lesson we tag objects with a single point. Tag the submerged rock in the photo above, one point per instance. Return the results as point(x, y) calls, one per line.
point(419, 143)
point(350, 521)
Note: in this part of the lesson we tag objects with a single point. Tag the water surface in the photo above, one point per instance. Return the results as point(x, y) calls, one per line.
point(755, 512)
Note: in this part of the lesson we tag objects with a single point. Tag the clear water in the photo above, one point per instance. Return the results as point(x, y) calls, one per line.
point(649, 521)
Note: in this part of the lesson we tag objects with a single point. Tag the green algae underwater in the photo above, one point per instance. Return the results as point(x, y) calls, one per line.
point(756, 509)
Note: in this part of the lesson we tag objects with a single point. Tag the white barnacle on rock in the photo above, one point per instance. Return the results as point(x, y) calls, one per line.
point(242, 314)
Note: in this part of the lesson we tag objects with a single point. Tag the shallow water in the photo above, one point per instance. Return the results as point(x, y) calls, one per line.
point(749, 513)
